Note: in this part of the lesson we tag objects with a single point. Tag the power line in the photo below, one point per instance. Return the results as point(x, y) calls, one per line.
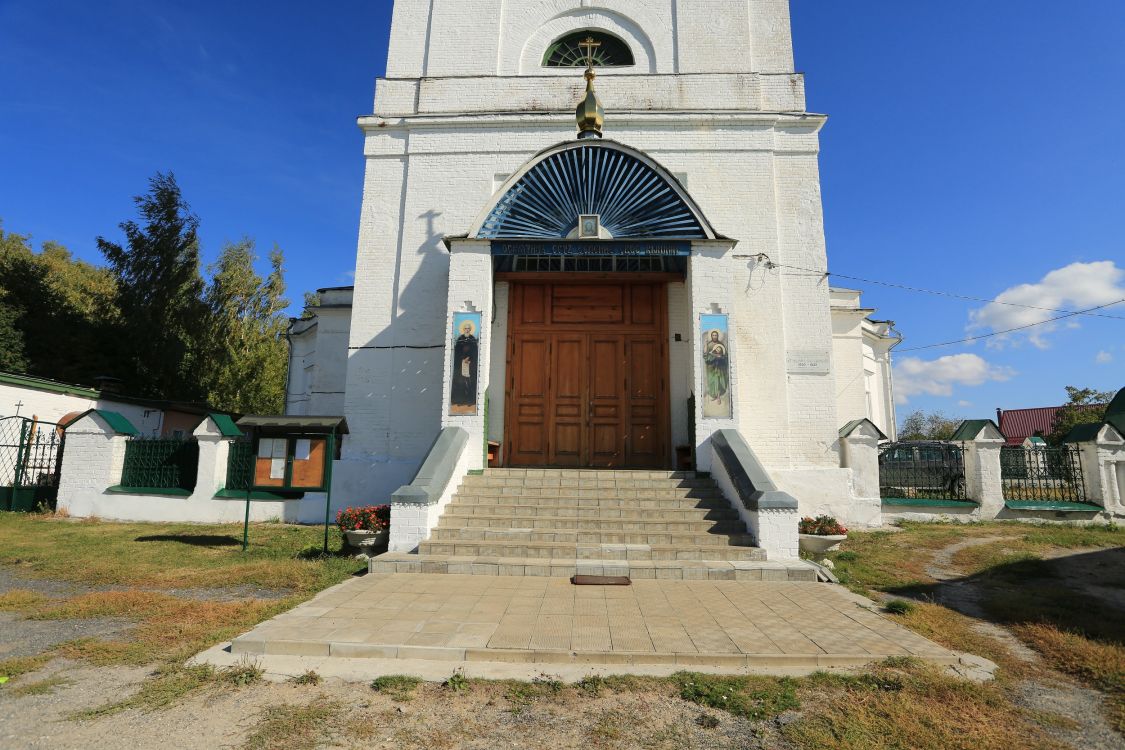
point(1017, 328)
point(953, 295)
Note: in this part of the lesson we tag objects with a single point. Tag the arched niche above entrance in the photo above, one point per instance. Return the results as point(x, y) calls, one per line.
point(631, 196)
point(527, 58)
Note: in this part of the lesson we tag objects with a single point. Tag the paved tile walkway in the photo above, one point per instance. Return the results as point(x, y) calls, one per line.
point(735, 624)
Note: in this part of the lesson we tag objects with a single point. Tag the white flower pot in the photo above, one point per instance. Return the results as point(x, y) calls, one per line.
point(816, 544)
point(365, 539)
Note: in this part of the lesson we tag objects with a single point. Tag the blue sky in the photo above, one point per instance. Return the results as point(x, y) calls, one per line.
point(972, 148)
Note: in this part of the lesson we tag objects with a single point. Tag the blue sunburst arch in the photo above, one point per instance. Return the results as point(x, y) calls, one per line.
point(634, 196)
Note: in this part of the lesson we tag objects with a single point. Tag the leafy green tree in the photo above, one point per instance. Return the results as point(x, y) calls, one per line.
point(243, 354)
point(919, 425)
point(62, 311)
point(1083, 406)
point(12, 355)
point(159, 288)
point(312, 301)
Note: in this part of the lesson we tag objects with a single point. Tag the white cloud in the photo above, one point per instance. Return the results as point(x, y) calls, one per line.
point(1074, 287)
point(937, 377)
point(964, 404)
point(1103, 358)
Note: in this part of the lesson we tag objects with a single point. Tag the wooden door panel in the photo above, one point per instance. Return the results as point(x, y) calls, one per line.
point(644, 445)
point(606, 400)
point(529, 394)
point(568, 394)
point(588, 367)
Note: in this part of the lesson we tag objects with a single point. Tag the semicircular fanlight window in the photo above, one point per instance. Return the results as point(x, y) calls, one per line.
point(568, 52)
point(632, 199)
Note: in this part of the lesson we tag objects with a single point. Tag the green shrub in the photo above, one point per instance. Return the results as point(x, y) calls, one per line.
point(899, 607)
point(397, 687)
point(755, 698)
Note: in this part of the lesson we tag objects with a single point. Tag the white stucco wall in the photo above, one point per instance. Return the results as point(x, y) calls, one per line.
point(93, 461)
point(493, 37)
point(714, 98)
point(861, 351)
point(318, 356)
point(51, 406)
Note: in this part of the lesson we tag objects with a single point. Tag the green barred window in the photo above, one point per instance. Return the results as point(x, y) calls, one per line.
point(160, 464)
point(240, 465)
point(568, 52)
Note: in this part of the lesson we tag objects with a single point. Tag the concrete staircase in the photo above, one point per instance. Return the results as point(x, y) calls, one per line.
point(543, 522)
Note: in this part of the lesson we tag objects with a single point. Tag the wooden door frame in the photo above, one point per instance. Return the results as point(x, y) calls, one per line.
point(660, 329)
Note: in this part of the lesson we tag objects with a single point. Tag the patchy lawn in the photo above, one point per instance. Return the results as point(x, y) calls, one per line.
point(1059, 589)
point(183, 588)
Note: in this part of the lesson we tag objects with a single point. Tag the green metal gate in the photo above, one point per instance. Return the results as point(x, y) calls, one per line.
point(30, 463)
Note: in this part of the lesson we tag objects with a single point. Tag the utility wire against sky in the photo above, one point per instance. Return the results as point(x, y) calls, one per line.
point(1067, 313)
point(1017, 328)
point(954, 295)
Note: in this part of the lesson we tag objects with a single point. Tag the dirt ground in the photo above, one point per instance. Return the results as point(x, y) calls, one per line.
point(39, 709)
point(1053, 692)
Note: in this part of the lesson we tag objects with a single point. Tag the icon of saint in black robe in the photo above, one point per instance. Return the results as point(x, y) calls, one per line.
point(466, 349)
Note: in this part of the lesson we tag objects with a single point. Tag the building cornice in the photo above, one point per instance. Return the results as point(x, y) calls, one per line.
point(808, 122)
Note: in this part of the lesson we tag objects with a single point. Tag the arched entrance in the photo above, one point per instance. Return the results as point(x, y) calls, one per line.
point(587, 237)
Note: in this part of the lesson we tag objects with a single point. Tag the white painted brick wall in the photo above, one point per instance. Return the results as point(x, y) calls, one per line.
point(502, 37)
point(463, 104)
point(775, 531)
point(94, 458)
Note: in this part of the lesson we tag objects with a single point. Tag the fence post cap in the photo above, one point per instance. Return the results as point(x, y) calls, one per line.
point(103, 421)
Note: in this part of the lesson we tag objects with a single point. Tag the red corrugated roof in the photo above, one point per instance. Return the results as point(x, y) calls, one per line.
point(1019, 424)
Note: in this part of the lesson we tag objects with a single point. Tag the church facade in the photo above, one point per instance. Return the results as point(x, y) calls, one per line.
point(606, 292)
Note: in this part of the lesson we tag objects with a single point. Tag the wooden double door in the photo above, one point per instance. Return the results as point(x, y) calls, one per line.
point(587, 375)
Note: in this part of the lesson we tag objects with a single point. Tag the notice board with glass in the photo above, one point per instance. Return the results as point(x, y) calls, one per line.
point(292, 463)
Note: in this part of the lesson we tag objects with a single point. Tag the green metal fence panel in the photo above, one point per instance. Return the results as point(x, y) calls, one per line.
point(160, 464)
point(1049, 474)
point(916, 471)
point(240, 465)
point(30, 463)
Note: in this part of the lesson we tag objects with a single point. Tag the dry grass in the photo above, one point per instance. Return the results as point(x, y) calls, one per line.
point(45, 686)
point(294, 727)
point(146, 560)
point(1076, 633)
point(160, 556)
point(169, 627)
point(955, 631)
point(19, 600)
point(19, 666)
point(916, 707)
point(151, 558)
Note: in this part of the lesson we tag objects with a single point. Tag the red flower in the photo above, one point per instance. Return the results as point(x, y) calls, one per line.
point(366, 518)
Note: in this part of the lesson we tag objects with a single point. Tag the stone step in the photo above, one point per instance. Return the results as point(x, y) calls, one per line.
point(590, 474)
point(595, 512)
point(575, 493)
point(457, 520)
point(604, 485)
point(724, 570)
point(573, 536)
point(592, 551)
point(633, 503)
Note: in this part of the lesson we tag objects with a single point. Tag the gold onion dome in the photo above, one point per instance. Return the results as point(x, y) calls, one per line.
point(591, 116)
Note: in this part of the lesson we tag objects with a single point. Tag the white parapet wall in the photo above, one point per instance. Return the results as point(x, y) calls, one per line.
point(417, 507)
point(770, 515)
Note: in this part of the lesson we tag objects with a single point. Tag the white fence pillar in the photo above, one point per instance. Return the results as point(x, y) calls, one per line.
point(859, 451)
point(1103, 469)
point(982, 470)
point(93, 457)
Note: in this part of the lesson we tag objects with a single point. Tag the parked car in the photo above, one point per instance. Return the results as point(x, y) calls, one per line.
point(927, 465)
